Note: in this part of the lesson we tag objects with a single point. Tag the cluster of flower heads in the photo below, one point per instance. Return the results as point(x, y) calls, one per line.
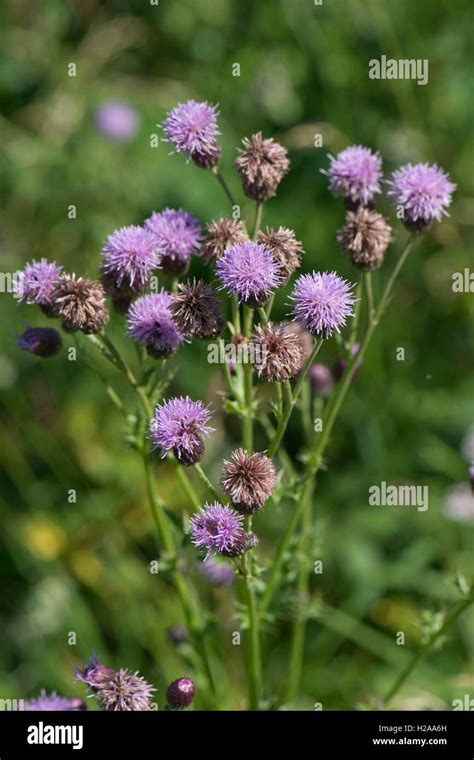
point(115, 691)
point(421, 193)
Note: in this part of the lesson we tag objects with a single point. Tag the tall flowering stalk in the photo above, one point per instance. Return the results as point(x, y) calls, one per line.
point(249, 267)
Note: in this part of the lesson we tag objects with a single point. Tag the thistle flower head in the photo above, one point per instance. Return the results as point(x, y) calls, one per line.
point(217, 573)
point(285, 249)
point(52, 702)
point(322, 302)
point(321, 379)
point(124, 691)
point(151, 322)
point(365, 237)
point(191, 128)
point(248, 479)
point(80, 303)
point(177, 236)
point(247, 270)
point(355, 173)
point(221, 235)
point(37, 281)
point(196, 310)
point(424, 192)
point(219, 529)
point(262, 164)
point(278, 352)
point(128, 259)
point(180, 425)
point(41, 341)
point(180, 693)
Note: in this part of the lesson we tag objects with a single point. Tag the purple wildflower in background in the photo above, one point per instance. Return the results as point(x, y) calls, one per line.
point(150, 321)
point(54, 702)
point(217, 573)
point(321, 379)
point(37, 281)
point(117, 121)
point(423, 191)
point(41, 341)
point(459, 503)
point(248, 271)
point(322, 302)
point(129, 258)
point(355, 173)
point(180, 693)
point(177, 236)
point(191, 128)
point(180, 425)
point(219, 529)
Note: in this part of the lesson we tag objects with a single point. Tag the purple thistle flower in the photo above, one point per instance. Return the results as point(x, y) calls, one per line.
point(248, 271)
point(217, 573)
point(37, 281)
point(117, 121)
point(322, 302)
point(355, 173)
point(191, 128)
point(150, 322)
point(129, 257)
point(423, 191)
point(179, 425)
point(41, 341)
point(177, 236)
point(180, 693)
point(219, 529)
point(53, 702)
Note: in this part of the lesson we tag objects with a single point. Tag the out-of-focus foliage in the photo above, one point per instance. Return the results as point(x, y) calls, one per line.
point(83, 566)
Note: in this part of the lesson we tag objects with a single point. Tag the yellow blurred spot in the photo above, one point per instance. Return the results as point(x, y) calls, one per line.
point(86, 567)
point(44, 538)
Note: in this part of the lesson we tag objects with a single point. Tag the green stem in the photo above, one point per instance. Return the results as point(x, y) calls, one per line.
point(295, 668)
point(282, 425)
point(221, 180)
point(206, 481)
point(123, 366)
point(247, 421)
point(315, 458)
point(191, 614)
point(258, 219)
point(254, 662)
point(450, 619)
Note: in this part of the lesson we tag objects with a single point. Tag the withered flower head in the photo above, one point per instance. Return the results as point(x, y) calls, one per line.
point(365, 237)
point(220, 235)
point(248, 479)
point(80, 303)
point(262, 165)
point(277, 352)
point(285, 249)
point(196, 310)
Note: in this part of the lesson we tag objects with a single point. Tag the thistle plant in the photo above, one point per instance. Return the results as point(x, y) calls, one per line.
point(265, 382)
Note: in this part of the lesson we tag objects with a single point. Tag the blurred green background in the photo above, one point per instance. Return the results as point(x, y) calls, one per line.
point(84, 567)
